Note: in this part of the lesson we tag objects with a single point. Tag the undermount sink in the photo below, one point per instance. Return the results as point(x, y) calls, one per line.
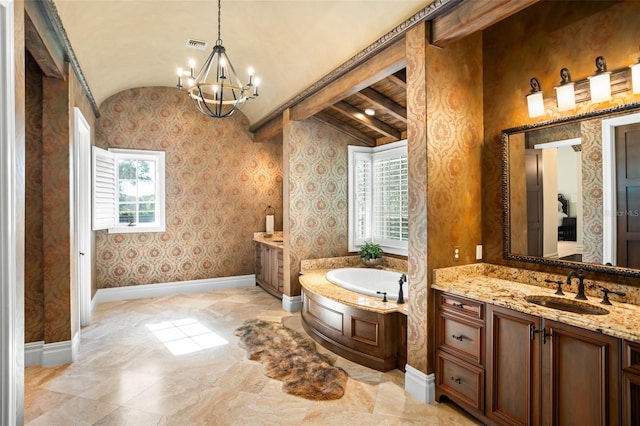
point(568, 305)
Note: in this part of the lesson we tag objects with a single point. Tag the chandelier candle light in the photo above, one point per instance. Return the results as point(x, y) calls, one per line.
point(217, 91)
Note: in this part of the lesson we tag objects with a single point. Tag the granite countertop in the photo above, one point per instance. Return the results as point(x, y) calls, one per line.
point(275, 240)
point(622, 321)
point(315, 281)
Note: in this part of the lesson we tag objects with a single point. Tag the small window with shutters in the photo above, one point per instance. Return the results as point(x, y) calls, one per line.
point(128, 190)
point(379, 197)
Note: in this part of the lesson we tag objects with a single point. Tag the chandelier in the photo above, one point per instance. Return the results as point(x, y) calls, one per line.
point(217, 91)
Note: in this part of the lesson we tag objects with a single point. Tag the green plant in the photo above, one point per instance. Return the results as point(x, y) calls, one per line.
point(370, 251)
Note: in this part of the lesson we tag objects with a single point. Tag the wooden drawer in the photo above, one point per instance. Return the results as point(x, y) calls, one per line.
point(461, 337)
point(460, 381)
point(461, 306)
point(631, 357)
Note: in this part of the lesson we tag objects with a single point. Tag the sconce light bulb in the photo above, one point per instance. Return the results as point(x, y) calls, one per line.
point(192, 63)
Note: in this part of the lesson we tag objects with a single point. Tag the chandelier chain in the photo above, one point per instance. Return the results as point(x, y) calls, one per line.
point(219, 41)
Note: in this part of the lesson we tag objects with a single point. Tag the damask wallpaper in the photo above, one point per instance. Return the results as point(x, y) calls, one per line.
point(539, 41)
point(33, 268)
point(317, 194)
point(218, 184)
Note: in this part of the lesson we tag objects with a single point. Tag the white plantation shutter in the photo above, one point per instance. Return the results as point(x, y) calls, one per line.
point(104, 189)
point(379, 197)
point(390, 198)
point(362, 215)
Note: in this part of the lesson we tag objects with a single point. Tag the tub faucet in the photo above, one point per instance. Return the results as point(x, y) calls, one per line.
point(403, 279)
point(580, 276)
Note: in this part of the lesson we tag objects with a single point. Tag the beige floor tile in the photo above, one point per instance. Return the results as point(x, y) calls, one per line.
point(127, 376)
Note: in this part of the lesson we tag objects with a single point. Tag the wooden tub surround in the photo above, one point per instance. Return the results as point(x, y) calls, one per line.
point(360, 328)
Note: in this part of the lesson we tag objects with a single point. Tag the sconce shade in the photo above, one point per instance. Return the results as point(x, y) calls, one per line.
point(566, 97)
point(535, 100)
point(566, 91)
point(600, 83)
point(635, 77)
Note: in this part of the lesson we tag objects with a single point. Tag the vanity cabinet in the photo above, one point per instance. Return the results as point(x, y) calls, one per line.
point(545, 372)
point(269, 268)
point(460, 351)
point(630, 383)
point(532, 371)
point(513, 367)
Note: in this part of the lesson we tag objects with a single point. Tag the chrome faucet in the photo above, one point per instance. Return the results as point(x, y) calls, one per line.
point(580, 276)
point(403, 279)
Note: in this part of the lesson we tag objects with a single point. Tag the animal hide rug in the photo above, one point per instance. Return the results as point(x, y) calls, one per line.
point(288, 356)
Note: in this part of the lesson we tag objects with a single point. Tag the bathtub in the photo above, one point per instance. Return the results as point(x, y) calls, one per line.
point(368, 281)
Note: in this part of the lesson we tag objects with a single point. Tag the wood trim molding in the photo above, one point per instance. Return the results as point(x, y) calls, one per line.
point(435, 9)
point(11, 290)
point(49, 11)
point(472, 16)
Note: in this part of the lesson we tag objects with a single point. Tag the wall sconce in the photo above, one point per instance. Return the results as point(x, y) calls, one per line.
point(566, 92)
point(600, 83)
point(535, 101)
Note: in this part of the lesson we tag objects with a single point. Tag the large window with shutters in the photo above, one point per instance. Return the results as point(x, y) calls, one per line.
point(379, 197)
point(128, 190)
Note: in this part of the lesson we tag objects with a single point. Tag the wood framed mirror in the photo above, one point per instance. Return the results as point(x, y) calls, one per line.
point(571, 191)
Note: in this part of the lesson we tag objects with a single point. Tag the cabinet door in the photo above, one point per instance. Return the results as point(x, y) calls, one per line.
point(581, 371)
point(513, 360)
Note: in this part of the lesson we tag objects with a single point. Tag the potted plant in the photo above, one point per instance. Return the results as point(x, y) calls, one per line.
point(371, 254)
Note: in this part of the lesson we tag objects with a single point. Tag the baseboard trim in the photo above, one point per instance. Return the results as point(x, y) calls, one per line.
point(168, 289)
point(291, 303)
point(419, 385)
point(33, 353)
point(49, 354)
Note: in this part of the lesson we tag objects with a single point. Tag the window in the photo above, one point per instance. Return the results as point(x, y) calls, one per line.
point(128, 190)
point(379, 197)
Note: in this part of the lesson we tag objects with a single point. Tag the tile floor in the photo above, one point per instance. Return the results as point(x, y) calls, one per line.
point(175, 361)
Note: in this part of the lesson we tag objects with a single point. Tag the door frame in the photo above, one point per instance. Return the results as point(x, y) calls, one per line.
point(11, 213)
point(82, 164)
point(609, 200)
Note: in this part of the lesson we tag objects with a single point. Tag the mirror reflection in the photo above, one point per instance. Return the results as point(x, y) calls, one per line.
point(572, 191)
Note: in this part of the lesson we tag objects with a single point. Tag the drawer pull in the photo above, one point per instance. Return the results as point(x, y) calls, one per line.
point(458, 305)
point(457, 380)
point(460, 338)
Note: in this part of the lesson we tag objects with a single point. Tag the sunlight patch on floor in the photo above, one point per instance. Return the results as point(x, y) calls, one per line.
point(185, 336)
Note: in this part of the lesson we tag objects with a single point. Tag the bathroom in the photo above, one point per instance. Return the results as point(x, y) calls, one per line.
point(464, 96)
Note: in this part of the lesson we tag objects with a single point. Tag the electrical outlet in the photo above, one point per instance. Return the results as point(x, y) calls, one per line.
point(456, 253)
point(479, 252)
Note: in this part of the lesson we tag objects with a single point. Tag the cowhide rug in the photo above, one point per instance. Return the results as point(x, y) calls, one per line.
point(288, 356)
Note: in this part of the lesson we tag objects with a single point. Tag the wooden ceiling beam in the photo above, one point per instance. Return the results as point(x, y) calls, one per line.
point(382, 102)
point(268, 130)
point(471, 16)
point(383, 64)
point(394, 79)
point(345, 128)
point(372, 123)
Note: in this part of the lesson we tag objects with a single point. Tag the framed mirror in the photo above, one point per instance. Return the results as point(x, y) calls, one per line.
point(571, 191)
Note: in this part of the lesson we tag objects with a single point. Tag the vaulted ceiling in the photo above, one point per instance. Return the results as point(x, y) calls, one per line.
point(122, 44)
point(292, 45)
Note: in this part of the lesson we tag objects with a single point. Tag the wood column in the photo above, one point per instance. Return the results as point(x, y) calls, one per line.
point(418, 329)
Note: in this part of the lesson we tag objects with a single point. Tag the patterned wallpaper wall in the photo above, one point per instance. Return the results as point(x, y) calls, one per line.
point(539, 41)
point(33, 262)
point(218, 184)
point(454, 142)
point(317, 192)
point(419, 328)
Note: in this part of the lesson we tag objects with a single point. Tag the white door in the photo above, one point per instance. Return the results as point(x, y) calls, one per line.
point(83, 215)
